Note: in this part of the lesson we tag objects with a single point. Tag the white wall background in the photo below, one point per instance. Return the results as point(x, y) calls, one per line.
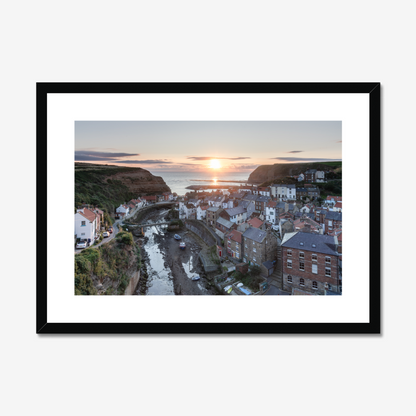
point(204, 41)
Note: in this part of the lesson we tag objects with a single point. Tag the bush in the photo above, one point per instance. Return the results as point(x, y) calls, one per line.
point(255, 270)
point(125, 237)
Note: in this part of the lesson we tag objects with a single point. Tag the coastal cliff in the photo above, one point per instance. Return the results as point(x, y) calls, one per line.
point(265, 173)
point(108, 186)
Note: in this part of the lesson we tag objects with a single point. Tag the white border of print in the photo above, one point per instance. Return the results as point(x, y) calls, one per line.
point(63, 306)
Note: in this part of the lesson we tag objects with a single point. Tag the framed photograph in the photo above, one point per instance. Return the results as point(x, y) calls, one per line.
point(208, 208)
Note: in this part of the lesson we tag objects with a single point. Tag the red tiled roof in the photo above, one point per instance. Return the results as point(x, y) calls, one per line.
point(235, 236)
point(255, 222)
point(272, 204)
point(150, 197)
point(338, 205)
point(89, 215)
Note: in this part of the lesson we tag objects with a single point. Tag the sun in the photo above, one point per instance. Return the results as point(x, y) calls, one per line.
point(215, 164)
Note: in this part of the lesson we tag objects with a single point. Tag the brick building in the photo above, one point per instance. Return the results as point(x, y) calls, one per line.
point(310, 263)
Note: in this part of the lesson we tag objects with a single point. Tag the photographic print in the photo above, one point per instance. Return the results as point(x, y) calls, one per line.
point(208, 208)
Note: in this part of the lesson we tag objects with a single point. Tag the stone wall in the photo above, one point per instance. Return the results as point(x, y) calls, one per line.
point(132, 284)
point(202, 231)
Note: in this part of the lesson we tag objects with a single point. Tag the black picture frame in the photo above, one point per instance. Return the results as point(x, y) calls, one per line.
point(371, 327)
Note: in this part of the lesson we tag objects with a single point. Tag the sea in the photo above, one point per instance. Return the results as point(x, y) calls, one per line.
point(178, 181)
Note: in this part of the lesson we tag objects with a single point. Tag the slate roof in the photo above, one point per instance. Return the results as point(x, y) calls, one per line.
point(301, 189)
point(333, 215)
point(255, 234)
point(263, 198)
point(250, 197)
point(244, 204)
point(224, 222)
point(213, 209)
point(235, 211)
point(268, 265)
point(324, 244)
point(237, 195)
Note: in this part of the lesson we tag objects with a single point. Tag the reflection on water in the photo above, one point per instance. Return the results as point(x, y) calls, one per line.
point(160, 279)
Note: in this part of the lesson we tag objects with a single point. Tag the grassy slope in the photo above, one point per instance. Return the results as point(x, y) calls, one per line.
point(91, 188)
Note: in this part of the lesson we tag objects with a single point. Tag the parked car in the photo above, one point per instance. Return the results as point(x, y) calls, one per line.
point(82, 244)
point(110, 230)
point(106, 234)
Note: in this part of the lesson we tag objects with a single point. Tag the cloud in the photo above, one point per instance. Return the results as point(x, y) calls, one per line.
point(144, 162)
point(89, 155)
point(222, 158)
point(304, 159)
point(296, 151)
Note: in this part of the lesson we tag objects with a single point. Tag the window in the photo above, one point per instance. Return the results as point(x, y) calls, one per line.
point(302, 282)
point(254, 250)
point(82, 223)
point(314, 285)
point(328, 271)
point(246, 246)
point(289, 253)
point(301, 265)
point(314, 257)
point(314, 268)
point(82, 233)
point(289, 279)
point(301, 255)
point(328, 260)
point(254, 259)
point(289, 264)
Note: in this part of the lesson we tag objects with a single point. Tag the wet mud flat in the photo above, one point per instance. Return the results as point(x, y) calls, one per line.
point(170, 269)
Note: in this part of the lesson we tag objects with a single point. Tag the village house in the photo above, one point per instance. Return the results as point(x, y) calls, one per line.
point(285, 226)
point(223, 226)
point(320, 176)
point(310, 175)
point(233, 244)
point(236, 196)
point(259, 246)
point(313, 193)
point(190, 212)
point(301, 177)
point(150, 199)
point(333, 199)
point(271, 212)
point(249, 206)
point(330, 220)
point(122, 210)
point(167, 196)
point(310, 263)
point(237, 215)
point(99, 217)
point(227, 203)
point(261, 203)
point(85, 223)
point(286, 192)
point(212, 214)
point(264, 191)
point(201, 212)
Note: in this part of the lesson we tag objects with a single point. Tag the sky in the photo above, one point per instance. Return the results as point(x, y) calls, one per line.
point(228, 146)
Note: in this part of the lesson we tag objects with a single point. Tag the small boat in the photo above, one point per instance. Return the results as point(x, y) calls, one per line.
point(197, 277)
point(182, 245)
point(177, 237)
